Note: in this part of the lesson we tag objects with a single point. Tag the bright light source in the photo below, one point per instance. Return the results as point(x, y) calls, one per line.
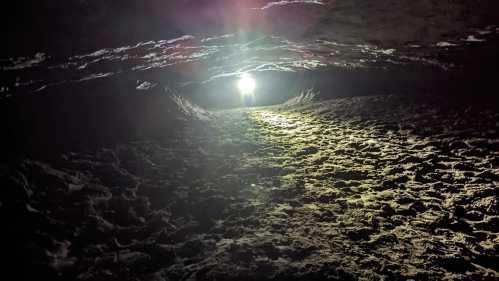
point(246, 84)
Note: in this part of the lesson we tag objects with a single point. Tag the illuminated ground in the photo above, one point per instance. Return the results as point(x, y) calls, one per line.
point(366, 188)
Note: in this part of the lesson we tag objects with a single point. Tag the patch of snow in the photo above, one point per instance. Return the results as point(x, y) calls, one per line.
point(290, 2)
point(179, 39)
point(445, 44)
point(25, 62)
point(304, 97)
point(95, 76)
point(472, 38)
point(191, 110)
point(388, 51)
point(484, 32)
point(94, 54)
point(225, 36)
point(146, 85)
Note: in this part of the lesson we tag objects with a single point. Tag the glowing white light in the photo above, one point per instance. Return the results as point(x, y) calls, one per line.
point(246, 84)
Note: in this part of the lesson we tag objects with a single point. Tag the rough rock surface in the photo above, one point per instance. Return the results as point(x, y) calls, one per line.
point(367, 188)
point(49, 24)
point(394, 22)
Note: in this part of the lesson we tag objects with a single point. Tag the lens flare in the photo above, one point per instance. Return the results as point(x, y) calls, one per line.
point(246, 84)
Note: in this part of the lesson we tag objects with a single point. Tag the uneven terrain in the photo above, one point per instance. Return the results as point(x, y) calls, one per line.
point(365, 188)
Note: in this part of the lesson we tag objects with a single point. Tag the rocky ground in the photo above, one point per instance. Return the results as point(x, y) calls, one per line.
point(365, 188)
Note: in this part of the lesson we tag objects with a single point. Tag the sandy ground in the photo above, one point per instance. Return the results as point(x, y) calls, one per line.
point(368, 188)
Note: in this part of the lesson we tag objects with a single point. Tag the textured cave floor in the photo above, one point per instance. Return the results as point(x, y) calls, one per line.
point(366, 188)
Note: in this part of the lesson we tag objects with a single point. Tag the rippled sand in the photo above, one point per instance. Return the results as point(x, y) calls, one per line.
point(366, 188)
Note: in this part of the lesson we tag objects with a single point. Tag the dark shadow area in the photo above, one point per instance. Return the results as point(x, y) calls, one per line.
point(86, 115)
point(68, 27)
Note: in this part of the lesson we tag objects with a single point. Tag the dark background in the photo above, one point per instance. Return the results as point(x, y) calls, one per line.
point(73, 26)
